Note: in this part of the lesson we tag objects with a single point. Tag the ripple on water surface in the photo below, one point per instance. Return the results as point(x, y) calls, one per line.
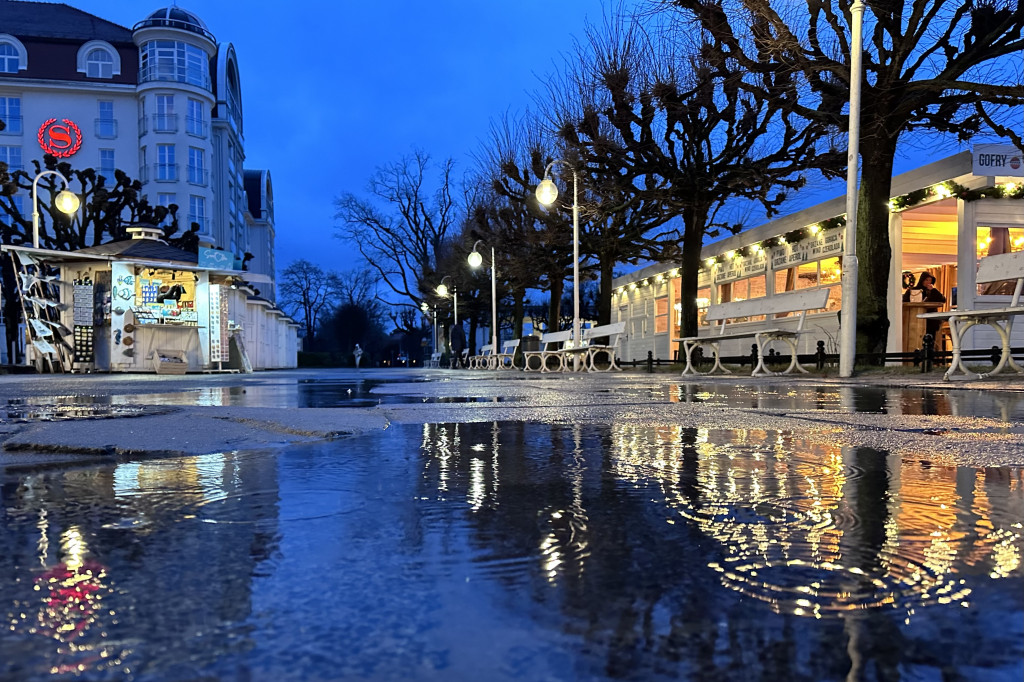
point(514, 551)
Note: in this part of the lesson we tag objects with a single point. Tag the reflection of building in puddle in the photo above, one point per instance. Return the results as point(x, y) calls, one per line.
point(820, 530)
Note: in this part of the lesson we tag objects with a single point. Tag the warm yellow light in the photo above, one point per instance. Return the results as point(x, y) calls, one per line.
point(709, 262)
point(782, 240)
point(660, 278)
point(547, 192)
point(674, 273)
point(442, 290)
point(758, 248)
point(475, 259)
point(67, 202)
point(943, 192)
point(815, 229)
point(892, 205)
point(632, 285)
point(730, 255)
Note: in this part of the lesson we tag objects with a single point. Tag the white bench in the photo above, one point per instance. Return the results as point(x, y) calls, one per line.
point(1004, 266)
point(612, 332)
point(548, 349)
point(484, 359)
point(789, 302)
point(508, 352)
point(461, 361)
point(435, 360)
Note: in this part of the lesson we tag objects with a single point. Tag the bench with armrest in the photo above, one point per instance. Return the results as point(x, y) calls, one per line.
point(997, 268)
point(506, 358)
point(611, 332)
point(549, 348)
point(484, 359)
point(787, 303)
point(435, 360)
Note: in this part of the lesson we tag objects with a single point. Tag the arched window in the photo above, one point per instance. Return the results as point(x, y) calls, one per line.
point(13, 57)
point(99, 64)
point(99, 59)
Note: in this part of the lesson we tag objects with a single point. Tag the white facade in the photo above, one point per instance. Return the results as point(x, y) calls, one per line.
point(941, 234)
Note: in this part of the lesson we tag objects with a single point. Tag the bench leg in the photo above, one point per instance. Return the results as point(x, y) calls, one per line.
point(762, 343)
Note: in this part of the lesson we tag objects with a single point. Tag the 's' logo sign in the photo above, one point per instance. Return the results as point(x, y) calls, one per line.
point(60, 139)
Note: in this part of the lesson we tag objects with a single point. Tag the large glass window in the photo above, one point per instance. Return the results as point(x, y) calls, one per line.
point(742, 290)
point(661, 315)
point(12, 157)
point(99, 64)
point(196, 166)
point(165, 199)
point(166, 169)
point(173, 60)
point(164, 121)
point(993, 241)
point(107, 163)
point(10, 112)
point(820, 273)
point(106, 127)
point(10, 59)
point(195, 122)
point(197, 212)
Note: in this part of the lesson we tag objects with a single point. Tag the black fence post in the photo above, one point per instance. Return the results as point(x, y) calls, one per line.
point(929, 353)
point(753, 355)
point(820, 355)
point(995, 355)
point(650, 362)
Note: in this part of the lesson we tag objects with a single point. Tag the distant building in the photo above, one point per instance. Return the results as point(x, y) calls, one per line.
point(161, 101)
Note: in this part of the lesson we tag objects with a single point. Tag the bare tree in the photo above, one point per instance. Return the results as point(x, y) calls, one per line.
point(307, 293)
point(929, 64)
point(401, 226)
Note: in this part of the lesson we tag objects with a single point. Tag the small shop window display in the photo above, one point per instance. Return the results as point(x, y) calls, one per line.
point(165, 296)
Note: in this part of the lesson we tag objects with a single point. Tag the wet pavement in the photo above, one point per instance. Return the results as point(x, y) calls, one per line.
point(476, 526)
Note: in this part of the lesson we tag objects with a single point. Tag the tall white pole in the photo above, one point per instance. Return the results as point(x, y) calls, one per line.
point(455, 298)
point(848, 318)
point(576, 340)
point(494, 308)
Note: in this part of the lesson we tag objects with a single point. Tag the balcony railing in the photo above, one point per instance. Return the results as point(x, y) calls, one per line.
point(196, 126)
point(198, 175)
point(165, 123)
point(106, 128)
point(159, 72)
point(13, 125)
point(165, 172)
point(204, 223)
point(143, 174)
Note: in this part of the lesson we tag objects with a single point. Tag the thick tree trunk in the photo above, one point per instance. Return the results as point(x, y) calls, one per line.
point(874, 252)
point(694, 227)
point(555, 305)
point(518, 307)
point(472, 335)
point(604, 293)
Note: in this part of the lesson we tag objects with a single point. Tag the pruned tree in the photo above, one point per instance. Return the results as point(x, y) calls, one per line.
point(681, 130)
point(928, 65)
point(401, 226)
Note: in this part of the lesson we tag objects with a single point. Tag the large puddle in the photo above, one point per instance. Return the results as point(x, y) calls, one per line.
point(511, 551)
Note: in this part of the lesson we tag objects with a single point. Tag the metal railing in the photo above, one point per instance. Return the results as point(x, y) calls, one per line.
point(160, 72)
point(106, 128)
point(198, 176)
point(165, 172)
point(165, 123)
point(196, 126)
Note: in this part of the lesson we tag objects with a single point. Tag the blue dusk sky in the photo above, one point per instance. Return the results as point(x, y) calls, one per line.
point(333, 89)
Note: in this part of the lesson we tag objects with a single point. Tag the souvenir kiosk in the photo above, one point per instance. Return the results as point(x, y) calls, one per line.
point(141, 305)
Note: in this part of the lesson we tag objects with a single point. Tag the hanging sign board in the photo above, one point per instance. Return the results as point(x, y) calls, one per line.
point(823, 245)
point(997, 159)
point(216, 259)
point(741, 267)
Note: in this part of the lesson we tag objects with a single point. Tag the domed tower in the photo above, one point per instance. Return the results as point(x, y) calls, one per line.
point(176, 108)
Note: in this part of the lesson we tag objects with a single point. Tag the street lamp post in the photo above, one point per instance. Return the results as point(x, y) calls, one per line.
point(442, 291)
point(65, 201)
point(475, 260)
point(848, 316)
point(547, 192)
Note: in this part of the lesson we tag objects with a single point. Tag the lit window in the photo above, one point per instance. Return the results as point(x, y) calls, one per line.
point(661, 315)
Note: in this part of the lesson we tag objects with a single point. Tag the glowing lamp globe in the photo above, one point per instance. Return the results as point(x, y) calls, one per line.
point(442, 290)
point(475, 259)
point(67, 202)
point(547, 192)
